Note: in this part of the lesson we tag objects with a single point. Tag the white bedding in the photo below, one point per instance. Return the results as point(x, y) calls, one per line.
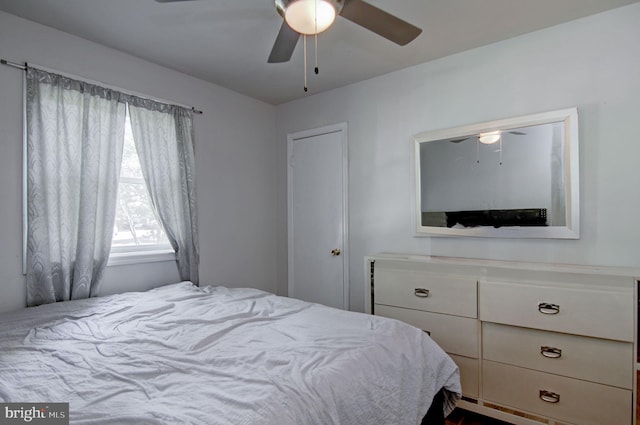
point(187, 355)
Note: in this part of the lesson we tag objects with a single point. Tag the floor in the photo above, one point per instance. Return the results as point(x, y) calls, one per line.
point(463, 417)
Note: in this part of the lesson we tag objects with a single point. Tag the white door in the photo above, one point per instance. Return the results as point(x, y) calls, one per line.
point(317, 216)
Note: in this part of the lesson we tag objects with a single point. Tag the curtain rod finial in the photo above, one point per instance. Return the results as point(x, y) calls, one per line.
point(14, 65)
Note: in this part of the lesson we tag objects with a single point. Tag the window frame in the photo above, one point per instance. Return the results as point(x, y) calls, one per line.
point(140, 255)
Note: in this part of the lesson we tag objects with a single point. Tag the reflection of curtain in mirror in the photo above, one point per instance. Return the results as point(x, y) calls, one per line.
point(557, 216)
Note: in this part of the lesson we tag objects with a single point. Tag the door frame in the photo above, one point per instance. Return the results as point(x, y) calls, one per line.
point(291, 138)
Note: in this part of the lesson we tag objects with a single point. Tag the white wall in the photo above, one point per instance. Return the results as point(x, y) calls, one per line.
point(592, 63)
point(241, 169)
point(235, 162)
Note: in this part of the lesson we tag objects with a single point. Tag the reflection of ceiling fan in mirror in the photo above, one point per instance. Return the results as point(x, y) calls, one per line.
point(488, 138)
point(309, 17)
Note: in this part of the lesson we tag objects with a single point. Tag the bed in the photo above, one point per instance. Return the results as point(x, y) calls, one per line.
point(182, 354)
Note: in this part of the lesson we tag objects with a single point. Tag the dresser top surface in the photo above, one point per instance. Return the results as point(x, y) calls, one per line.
point(515, 265)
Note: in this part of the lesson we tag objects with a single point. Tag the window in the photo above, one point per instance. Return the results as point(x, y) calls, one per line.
point(136, 231)
point(74, 140)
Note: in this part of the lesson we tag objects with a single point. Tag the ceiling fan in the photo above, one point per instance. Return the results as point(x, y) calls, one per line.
point(357, 11)
point(309, 17)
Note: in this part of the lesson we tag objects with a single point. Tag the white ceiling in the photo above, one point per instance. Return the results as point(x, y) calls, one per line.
point(227, 42)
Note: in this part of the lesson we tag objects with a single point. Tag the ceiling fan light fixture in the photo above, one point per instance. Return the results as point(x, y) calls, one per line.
point(489, 138)
point(309, 16)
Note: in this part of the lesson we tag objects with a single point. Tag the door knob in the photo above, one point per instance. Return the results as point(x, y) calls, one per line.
point(335, 252)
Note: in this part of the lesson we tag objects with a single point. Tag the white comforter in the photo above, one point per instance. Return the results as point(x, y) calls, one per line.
point(186, 355)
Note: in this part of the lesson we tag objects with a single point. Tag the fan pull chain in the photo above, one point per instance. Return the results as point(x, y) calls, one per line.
point(304, 42)
point(477, 150)
point(500, 150)
point(315, 16)
point(316, 54)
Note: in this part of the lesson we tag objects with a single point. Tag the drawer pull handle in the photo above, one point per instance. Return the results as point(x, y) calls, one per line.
point(551, 352)
point(548, 308)
point(421, 292)
point(549, 397)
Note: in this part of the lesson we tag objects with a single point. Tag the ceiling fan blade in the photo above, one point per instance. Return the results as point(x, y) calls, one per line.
point(284, 45)
point(380, 22)
point(518, 133)
point(459, 140)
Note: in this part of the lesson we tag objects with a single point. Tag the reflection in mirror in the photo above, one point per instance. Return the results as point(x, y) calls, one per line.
point(510, 178)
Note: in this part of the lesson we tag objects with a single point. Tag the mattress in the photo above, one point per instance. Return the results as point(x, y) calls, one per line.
point(182, 354)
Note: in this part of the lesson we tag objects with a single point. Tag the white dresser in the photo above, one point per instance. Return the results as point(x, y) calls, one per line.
point(535, 343)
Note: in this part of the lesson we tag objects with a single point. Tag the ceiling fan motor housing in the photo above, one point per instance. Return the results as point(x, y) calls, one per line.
point(281, 5)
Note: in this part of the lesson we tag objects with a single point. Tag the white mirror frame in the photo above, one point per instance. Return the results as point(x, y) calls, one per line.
point(571, 173)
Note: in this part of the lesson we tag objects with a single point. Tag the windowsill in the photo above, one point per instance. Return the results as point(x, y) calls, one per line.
point(155, 256)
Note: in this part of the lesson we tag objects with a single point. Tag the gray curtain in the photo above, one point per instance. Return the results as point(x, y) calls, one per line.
point(75, 133)
point(163, 135)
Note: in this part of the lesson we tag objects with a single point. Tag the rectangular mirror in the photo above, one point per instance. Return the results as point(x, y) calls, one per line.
point(516, 177)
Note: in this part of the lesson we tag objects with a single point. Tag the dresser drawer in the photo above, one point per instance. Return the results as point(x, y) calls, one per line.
point(421, 290)
point(579, 402)
point(588, 311)
point(456, 335)
point(469, 375)
point(598, 360)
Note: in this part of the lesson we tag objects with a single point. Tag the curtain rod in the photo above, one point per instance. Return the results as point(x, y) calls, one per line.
point(25, 66)
point(14, 65)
